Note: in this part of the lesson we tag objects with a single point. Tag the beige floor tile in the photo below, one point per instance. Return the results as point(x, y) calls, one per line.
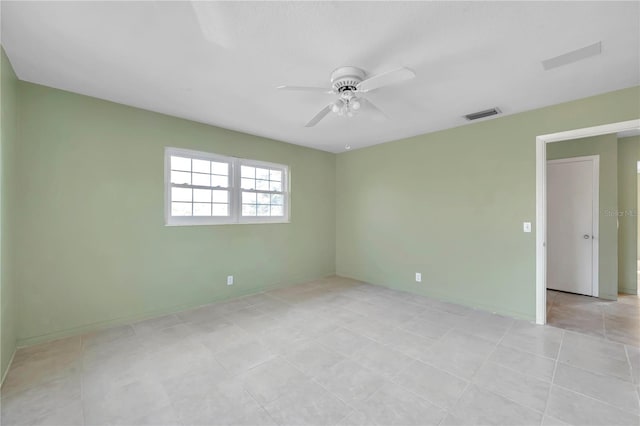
point(344, 341)
point(40, 402)
point(199, 399)
point(594, 361)
point(125, 404)
point(522, 389)
point(328, 352)
point(240, 357)
point(66, 415)
point(224, 336)
point(577, 342)
point(272, 380)
point(69, 347)
point(106, 336)
point(394, 405)
point(577, 409)
point(40, 370)
point(280, 340)
point(552, 421)
point(459, 354)
point(310, 405)
point(312, 358)
point(619, 393)
point(433, 384)
point(373, 328)
point(350, 381)
point(410, 344)
point(524, 362)
point(381, 359)
point(614, 321)
point(536, 339)
point(482, 407)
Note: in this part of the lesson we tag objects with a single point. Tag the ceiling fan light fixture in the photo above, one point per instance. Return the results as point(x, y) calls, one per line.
point(349, 82)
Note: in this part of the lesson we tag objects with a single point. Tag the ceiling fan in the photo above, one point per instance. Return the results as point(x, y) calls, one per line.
point(350, 83)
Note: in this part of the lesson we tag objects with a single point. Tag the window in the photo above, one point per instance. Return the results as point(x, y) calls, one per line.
point(206, 189)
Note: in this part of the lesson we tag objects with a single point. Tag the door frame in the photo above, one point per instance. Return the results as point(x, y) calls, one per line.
point(541, 199)
point(595, 208)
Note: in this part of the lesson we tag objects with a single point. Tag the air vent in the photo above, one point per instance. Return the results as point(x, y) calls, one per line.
point(573, 56)
point(482, 114)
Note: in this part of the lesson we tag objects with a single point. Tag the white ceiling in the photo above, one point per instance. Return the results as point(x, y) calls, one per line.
point(468, 56)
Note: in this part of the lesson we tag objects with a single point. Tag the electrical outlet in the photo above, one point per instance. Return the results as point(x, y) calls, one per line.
point(229, 279)
point(418, 277)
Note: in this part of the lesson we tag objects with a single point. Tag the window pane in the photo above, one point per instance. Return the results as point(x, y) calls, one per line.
point(220, 196)
point(202, 195)
point(248, 210)
point(262, 174)
point(275, 175)
point(248, 183)
point(181, 178)
point(180, 163)
point(201, 179)
point(180, 209)
point(276, 199)
point(248, 198)
point(264, 198)
point(220, 210)
point(275, 186)
point(222, 181)
point(181, 194)
point(248, 172)
point(201, 166)
point(200, 187)
point(201, 209)
point(219, 168)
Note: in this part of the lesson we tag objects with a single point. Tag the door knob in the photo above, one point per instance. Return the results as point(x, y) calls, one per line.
point(586, 236)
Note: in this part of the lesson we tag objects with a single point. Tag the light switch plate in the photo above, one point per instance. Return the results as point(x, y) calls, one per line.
point(526, 226)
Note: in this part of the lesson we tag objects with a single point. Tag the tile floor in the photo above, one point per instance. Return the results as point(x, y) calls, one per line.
point(616, 321)
point(333, 351)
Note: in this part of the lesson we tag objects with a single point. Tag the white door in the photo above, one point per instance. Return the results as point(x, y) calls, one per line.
point(572, 209)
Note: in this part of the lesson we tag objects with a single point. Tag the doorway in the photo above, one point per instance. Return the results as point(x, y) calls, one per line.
point(572, 224)
point(541, 199)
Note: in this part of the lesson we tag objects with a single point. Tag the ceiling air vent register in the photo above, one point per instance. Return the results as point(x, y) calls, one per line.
point(482, 114)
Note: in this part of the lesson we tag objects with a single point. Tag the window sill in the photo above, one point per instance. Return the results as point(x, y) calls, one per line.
point(257, 222)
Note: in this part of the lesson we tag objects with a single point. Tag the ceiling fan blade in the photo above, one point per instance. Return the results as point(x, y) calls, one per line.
point(305, 89)
point(319, 116)
point(370, 105)
point(385, 79)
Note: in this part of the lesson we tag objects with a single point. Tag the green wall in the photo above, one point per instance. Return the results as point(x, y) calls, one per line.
point(451, 204)
point(628, 157)
point(90, 249)
point(606, 146)
point(8, 141)
point(93, 249)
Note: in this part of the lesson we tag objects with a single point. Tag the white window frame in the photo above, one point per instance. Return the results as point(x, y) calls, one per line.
point(235, 190)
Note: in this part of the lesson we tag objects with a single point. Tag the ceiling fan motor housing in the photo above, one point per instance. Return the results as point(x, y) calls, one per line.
point(346, 78)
